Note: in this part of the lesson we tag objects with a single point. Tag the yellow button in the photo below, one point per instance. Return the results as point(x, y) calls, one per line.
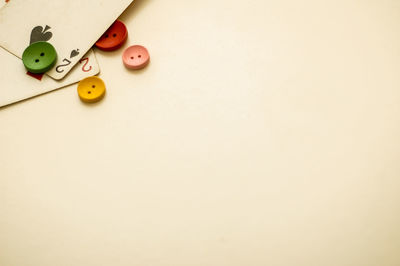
point(91, 89)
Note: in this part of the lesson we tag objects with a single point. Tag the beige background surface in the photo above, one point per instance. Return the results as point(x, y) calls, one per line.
point(262, 133)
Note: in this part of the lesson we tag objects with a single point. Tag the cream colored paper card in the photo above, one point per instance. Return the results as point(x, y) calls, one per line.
point(72, 27)
point(17, 85)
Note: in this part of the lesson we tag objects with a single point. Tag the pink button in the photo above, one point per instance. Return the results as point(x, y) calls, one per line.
point(136, 57)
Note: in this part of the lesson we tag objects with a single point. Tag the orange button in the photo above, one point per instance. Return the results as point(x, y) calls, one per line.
point(113, 38)
point(136, 57)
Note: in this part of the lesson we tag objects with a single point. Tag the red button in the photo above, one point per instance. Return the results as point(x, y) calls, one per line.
point(136, 57)
point(113, 38)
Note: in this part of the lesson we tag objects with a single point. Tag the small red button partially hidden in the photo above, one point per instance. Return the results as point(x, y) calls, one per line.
point(114, 37)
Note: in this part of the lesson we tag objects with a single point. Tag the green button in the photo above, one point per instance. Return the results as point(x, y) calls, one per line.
point(39, 57)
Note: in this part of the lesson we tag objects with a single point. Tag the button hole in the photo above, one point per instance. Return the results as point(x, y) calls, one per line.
point(89, 92)
point(42, 54)
point(139, 56)
point(132, 57)
point(37, 61)
point(114, 35)
point(106, 36)
point(93, 86)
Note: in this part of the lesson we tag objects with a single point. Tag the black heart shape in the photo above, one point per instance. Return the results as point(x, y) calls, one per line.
point(74, 53)
point(40, 35)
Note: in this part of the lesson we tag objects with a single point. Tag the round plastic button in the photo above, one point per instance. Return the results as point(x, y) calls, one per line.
point(136, 57)
point(114, 37)
point(91, 89)
point(39, 57)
